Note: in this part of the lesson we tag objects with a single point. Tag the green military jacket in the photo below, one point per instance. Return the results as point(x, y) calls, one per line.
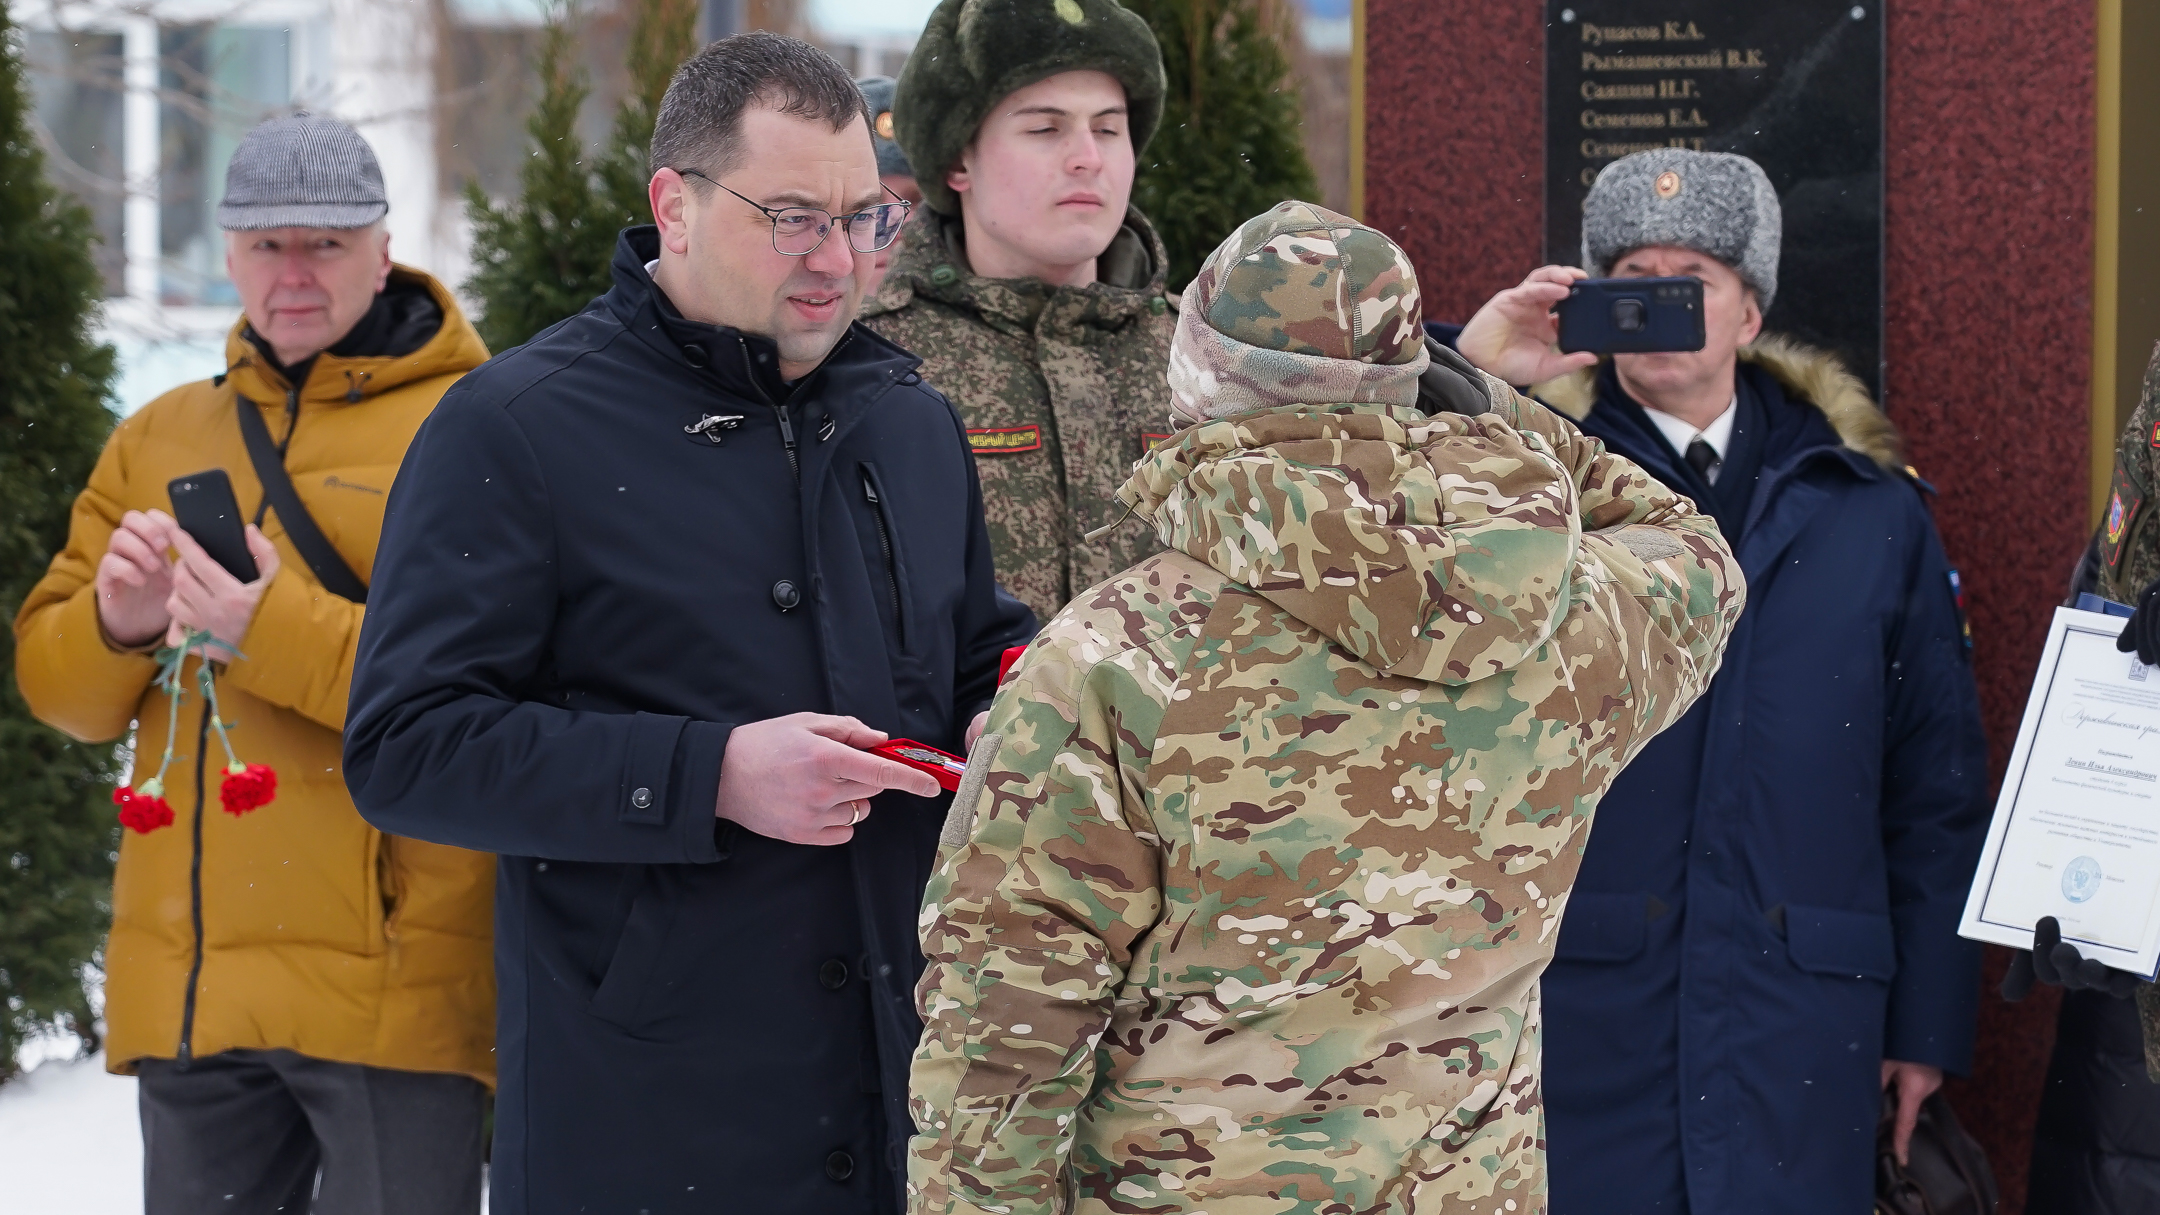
point(2123, 561)
point(2128, 546)
point(1242, 903)
point(1061, 389)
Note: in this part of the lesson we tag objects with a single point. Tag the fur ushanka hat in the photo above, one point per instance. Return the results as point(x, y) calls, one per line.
point(1716, 203)
point(975, 53)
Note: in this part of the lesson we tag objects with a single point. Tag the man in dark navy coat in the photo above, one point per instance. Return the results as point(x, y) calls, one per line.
point(645, 587)
point(1764, 933)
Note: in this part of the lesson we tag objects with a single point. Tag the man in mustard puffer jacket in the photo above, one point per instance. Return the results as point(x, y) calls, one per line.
point(299, 993)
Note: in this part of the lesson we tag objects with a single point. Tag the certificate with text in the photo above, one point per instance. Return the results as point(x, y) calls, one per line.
point(2076, 833)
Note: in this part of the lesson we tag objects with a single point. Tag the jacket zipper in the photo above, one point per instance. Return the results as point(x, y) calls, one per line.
point(884, 539)
point(787, 439)
point(186, 1052)
point(779, 408)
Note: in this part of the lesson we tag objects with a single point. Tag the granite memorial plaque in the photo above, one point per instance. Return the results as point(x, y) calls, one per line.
point(1795, 85)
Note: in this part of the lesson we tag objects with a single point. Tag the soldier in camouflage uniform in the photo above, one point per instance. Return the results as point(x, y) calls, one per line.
point(1242, 903)
point(1058, 376)
point(2124, 558)
point(2096, 1145)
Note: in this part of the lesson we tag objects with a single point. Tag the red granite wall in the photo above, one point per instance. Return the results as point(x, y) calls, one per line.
point(1988, 200)
point(1989, 116)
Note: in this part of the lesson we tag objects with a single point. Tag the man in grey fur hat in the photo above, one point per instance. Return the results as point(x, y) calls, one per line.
point(1764, 934)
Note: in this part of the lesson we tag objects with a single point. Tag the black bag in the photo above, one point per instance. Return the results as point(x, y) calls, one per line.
point(1948, 1173)
point(315, 548)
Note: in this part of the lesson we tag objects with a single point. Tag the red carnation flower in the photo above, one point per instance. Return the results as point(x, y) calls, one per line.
point(141, 812)
point(247, 786)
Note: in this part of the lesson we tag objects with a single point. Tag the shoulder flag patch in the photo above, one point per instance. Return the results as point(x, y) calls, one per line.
point(1957, 599)
point(1005, 440)
point(2156, 432)
point(2124, 503)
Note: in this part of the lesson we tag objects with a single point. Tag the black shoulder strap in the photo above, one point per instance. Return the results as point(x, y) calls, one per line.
point(315, 548)
point(1449, 384)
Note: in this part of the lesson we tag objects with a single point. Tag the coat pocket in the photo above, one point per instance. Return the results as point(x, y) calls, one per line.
point(1603, 927)
point(1845, 944)
point(621, 996)
point(894, 574)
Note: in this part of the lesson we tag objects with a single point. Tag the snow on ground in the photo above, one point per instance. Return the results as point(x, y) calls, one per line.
point(69, 1141)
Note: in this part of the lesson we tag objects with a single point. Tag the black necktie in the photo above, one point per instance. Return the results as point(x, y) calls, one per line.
point(1702, 457)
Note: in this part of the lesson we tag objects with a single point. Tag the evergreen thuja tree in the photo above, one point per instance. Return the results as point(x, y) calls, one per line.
point(664, 35)
point(544, 255)
point(1229, 146)
point(58, 836)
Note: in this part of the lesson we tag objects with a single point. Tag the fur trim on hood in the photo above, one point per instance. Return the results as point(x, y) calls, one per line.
point(1807, 374)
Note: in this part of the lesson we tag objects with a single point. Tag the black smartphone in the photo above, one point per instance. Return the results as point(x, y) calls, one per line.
point(1632, 315)
point(204, 505)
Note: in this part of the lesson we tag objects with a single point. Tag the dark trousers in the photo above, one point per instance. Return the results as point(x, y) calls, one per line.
point(261, 1131)
point(2096, 1149)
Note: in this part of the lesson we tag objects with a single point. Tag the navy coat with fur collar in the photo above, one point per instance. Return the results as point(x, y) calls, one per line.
point(1769, 899)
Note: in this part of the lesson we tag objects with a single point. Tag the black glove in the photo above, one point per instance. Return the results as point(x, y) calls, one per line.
point(2141, 632)
point(2058, 963)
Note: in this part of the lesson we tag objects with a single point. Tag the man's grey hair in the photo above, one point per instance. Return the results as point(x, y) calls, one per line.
point(700, 122)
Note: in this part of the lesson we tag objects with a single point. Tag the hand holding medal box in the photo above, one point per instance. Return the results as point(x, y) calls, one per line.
point(943, 765)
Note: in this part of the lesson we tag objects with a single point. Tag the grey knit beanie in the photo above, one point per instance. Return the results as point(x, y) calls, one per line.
point(1715, 203)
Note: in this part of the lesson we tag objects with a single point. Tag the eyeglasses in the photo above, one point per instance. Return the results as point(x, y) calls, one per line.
point(798, 231)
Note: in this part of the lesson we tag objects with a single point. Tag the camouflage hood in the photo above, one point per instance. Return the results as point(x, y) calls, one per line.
point(1434, 548)
point(1440, 549)
point(1299, 305)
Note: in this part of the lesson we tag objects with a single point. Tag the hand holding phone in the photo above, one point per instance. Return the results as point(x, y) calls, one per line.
point(134, 579)
point(224, 564)
point(1632, 316)
point(204, 506)
point(1514, 335)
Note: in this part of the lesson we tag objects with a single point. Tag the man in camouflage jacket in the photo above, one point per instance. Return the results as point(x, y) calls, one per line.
point(1046, 321)
point(2125, 555)
point(1243, 902)
point(2096, 1143)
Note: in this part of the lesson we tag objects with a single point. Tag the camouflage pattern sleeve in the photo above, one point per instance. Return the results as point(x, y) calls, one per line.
point(1681, 589)
point(2126, 550)
point(1029, 924)
point(2128, 541)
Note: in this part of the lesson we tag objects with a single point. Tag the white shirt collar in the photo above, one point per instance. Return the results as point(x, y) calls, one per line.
point(1718, 434)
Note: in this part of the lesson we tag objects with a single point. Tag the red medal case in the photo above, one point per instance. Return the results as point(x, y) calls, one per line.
point(943, 765)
